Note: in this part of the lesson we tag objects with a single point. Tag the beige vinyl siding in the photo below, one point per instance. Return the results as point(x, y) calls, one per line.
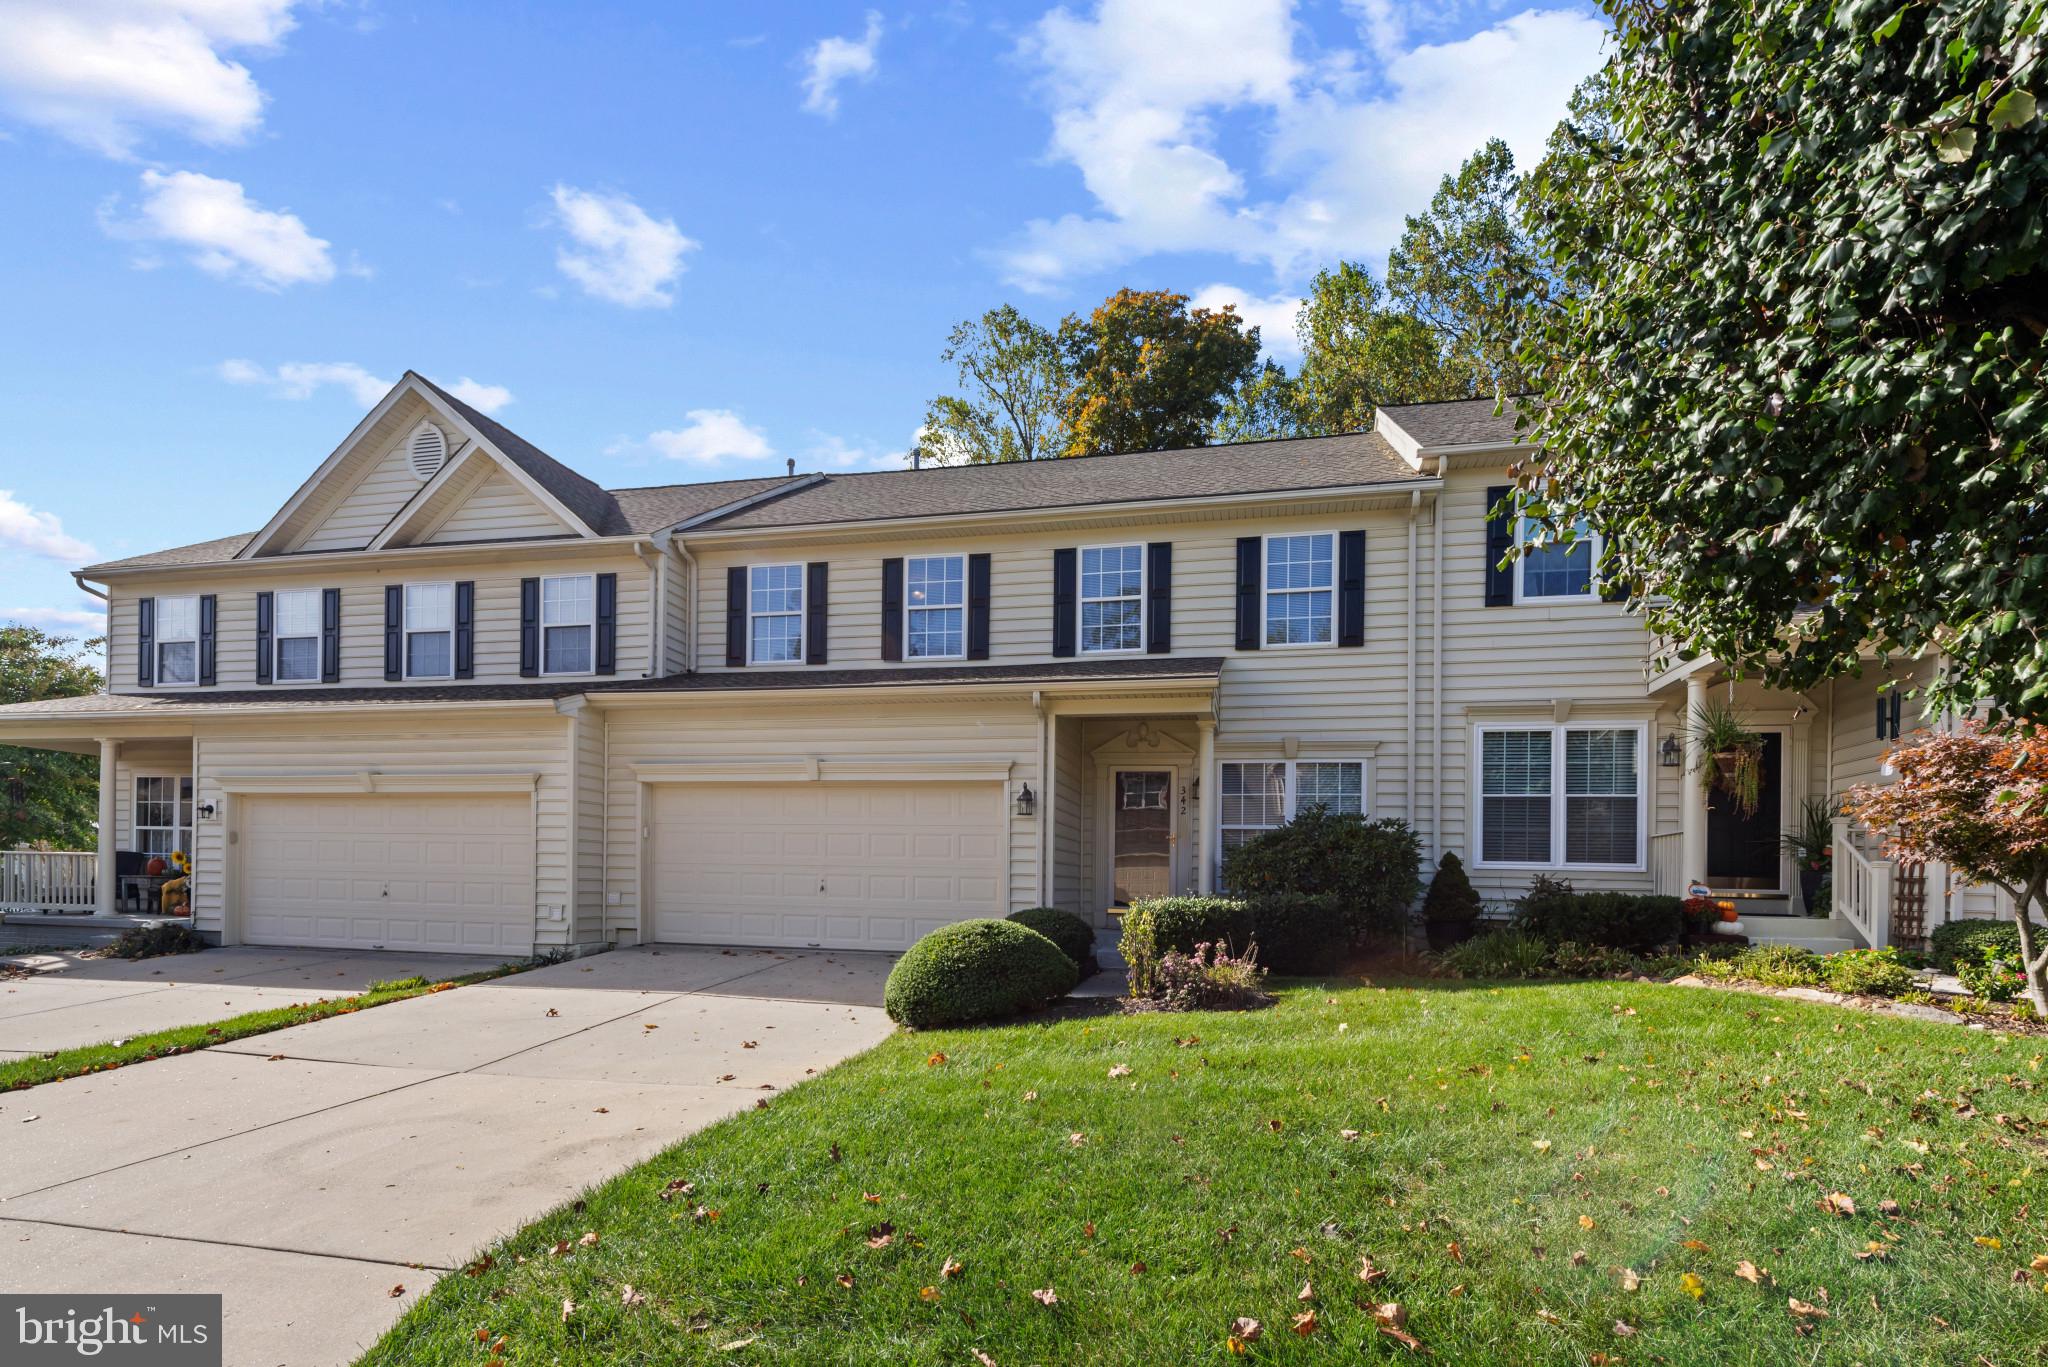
point(362, 613)
point(933, 730)
point(675, 625)
point(1072, 882)
point(441, 744)
point(587, 786)
point(137, 759)
point(500, 509)
point(388, 485)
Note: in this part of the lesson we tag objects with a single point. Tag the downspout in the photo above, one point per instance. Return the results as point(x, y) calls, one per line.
point(1409, 795)
point(658, 622)
point(1046, 786)
point(1436, 667)
point(78, 578)
point(690, 624)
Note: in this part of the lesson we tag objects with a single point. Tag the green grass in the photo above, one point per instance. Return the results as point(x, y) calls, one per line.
point(98, 1058)
point(1503, 1132)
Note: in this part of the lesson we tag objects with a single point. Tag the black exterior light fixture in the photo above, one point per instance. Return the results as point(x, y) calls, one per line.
point(1026, 803)
point(1670, 752)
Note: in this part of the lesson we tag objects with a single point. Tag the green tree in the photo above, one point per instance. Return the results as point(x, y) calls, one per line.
point(1264, 407)
point(1015, 383)
point(1799, 356)
point(1358, 353)
point(46, 796)
point(1151, 373)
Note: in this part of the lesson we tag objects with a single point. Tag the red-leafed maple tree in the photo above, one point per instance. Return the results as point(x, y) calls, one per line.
point(1975, 799)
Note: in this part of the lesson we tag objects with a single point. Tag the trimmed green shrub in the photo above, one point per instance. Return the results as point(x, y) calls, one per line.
point(1996, 977)
point(976, 971)
point(1871, 972)
point(1372, 867)
point(149, 942)
point(1160, 924)
point(1300, 933)
point(1963, 942)
point(1618, 920)
point(1451, 897)
point(1501, 954)
point(1074, 936)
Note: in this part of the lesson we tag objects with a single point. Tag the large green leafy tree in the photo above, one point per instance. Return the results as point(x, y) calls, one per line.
point(46, 796)
point(1150, 372)
point(1799, 358)
point(1358, 352)
point(1014, 383)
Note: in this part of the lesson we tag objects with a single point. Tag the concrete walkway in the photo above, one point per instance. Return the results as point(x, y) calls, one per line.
point(307, 1174)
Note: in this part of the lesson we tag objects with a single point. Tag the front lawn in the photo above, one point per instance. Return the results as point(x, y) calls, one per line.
point(1515, 1159)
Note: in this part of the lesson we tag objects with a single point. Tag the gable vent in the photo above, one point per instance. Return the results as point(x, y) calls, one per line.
point(427, 451)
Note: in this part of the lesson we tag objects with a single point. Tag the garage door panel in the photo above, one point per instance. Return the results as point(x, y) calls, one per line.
point(844, 865)
point(390, 871)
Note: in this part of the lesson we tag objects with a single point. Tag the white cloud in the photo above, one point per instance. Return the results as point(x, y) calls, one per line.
point(712, 434)
point(302, 379)
point(92, 621)
point(621, 253)
point(22, 528)
point(99, 72)
point(833, 61)
point(488, 398)
point(1350, 142)
point(828, 452)
point(1273, 315)
point(227, 233)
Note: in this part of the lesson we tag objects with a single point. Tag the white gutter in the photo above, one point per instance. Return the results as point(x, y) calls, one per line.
point(413, 555)
point(690, 611)
point(78, 578)
point(655, 595)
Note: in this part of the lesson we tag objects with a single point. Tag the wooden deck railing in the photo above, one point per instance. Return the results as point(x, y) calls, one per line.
point(1863, 886)
point(1666, 854)
point(48, 880)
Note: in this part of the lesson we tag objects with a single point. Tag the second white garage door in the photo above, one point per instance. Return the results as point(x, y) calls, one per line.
point(388, 871)
point(837, 865)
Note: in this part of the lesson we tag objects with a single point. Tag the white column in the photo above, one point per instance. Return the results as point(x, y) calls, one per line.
point(1692, 807)
point(104, 871)
point(1205, 808)
point(1048, 811)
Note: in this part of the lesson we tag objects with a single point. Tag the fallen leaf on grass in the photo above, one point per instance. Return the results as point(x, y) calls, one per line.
point(1540, 1145)
point(934, 1060)
point(1631, 1280)
point(1045, 1296)
point(1307, 1292)
point(952, 1268)
point(1391, 1319)
point(628, 1296)
point(1245, 1329)
point(1836, 1203)
point(679, 1187)
point(1077, 1139)
point(1305, 1323)
point(1120, 1070)
point(1137, 1268)
point(589, 1239)
point(734, 1346)
point(1347, 1135)
point(1587, 1222)
point(568, 1309)
point(873, 1198)
point(1692, 1286)
point(1624, 1330)
point(1986, 1241)
point(1874, 1250)
point(983, 1358)
point(1368, 1273)
point(1751, 1273)
point(1801, 1310)
point(928, 1293)
point(881, 1236)
point(844, 1280)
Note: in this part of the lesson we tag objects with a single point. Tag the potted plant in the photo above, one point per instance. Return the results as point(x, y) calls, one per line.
point(1812, 847)
point(1734, 753)
point(1450, 910)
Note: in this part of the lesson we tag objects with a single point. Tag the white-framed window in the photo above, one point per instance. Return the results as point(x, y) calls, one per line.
point(1550, 569)
point(1260, 794)
point(1561, 796)
point(1112, 599)
point(568, 624)
point(163, 814)
point(295, 635)
point(935, 607)
point(1301, 589)
point(177, 641)
point(775, 614)
point(430, 631)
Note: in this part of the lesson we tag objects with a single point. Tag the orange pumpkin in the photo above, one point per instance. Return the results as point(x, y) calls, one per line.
point(155, 867)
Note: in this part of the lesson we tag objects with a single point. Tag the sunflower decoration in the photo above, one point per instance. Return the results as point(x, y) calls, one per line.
point(181, 861)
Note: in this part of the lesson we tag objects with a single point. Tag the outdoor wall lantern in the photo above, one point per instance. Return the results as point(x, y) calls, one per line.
point(1669, 753)
point(1026, 803)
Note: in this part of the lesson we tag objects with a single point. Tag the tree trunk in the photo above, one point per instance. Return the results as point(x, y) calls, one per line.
point(2033, 957)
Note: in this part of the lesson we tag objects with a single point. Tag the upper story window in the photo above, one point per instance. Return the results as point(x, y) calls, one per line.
point(429, 631)
point(935, 607)
point(775, 614)
point(177, 640)
point(1112, 598)
point(568, 623)
point(297, 630)
point(1553, 569)
point(1301, 576)
point(1561, 795)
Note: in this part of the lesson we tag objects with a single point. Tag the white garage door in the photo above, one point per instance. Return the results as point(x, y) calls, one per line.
point(839, 865)
point(386, 871)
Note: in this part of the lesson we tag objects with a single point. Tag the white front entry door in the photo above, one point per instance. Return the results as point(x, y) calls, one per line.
point(389, 871)
point(835, 865)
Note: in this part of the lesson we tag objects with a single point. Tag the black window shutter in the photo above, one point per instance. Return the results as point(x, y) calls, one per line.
point(815, 606)
point(264, 622)
point(1351, 588)
point(979, 573)
point(1159, 597)
point(209, 608)
point(145, 642)
point(892, 609)
point(607, 624)
point(465, 629)
point(529, 628)
point(1250, 574)
point(330, 636)
point(736, 617)
point(1500, 539)
point(394, 632)
point(1066, 605)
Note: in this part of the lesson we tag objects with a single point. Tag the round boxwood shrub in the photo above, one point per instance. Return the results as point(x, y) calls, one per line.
point(976, 971)
point(1954, 943)
point(1074, 936)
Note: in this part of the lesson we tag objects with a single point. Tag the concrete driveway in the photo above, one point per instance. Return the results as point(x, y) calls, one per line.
point(307, 1174)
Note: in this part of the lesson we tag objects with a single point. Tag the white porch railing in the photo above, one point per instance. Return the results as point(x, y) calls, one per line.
point(1667, 853)
point(1863, 887)
point(48, 880)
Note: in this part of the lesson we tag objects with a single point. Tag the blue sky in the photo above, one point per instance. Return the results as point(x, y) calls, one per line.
point(664, 241)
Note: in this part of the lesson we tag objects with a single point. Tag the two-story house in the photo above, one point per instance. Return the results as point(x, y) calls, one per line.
point(456, 696)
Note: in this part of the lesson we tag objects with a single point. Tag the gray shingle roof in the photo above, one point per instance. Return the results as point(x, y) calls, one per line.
point(1458, 422)
point(598, 509)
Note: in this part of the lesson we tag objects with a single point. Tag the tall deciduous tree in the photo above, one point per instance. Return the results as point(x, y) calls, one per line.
point(1359, 353)
point(46, 796)
point(1799, 360)
point(1150, 372)
point(1014, 384)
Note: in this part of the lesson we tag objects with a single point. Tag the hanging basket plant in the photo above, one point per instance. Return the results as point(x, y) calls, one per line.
point(1734, 753)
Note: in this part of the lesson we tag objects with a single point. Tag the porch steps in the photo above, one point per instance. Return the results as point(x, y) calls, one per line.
point(1831, 935)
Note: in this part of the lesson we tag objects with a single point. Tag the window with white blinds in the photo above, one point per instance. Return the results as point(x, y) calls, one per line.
point(1566, 796)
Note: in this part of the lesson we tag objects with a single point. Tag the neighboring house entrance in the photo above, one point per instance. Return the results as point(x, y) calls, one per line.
point(1743, 851)
point(389, 871)
point(1141, 835)
point(836, 865)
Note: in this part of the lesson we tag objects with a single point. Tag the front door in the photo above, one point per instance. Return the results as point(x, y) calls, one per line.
point(1742, 851)
point(1141, 834)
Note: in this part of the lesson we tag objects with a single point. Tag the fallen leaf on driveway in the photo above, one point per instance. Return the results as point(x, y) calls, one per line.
point(553, 1012)
point(396, 1291)
point(750, 1044)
